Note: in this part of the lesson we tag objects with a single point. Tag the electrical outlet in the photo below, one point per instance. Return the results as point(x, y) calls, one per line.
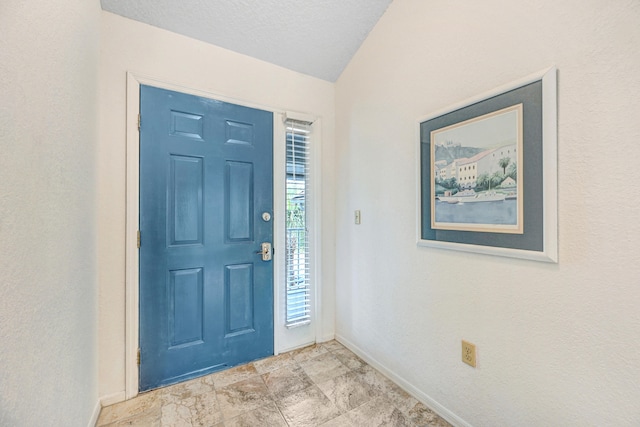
point(469, 353)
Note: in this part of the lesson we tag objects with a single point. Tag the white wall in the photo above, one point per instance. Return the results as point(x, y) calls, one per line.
point(557, 344)
point(131, 46)
point(48, 275)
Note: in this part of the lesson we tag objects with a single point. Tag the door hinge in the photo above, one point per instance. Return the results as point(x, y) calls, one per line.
point(138, 239)
point(138, 358)
point(139, 120)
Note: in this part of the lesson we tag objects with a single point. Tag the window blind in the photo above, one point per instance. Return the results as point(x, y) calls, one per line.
point(298, 286)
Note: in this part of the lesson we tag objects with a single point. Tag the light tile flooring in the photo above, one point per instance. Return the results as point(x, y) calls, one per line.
point(321, 385)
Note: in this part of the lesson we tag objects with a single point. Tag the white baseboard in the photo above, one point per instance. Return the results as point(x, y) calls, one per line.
point(406, 385)
point(95, 415)
point(113, 398)
point(327, 337)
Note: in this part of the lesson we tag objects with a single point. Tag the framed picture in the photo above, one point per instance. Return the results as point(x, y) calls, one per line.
point(488, 172)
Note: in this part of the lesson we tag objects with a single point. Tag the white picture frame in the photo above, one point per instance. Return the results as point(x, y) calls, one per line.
point(538, 238)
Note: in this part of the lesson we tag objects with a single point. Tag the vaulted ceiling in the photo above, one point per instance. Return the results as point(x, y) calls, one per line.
point(314, 37)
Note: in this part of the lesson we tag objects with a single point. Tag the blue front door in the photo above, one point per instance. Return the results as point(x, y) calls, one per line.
point(206, 178)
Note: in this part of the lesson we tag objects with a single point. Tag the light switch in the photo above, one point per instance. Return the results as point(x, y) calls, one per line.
point(357, 217)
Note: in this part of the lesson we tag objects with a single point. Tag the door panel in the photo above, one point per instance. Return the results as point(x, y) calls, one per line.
point(239, 302)
point(186, 185)
point(238, 198)
point(185, 307)
point(206, 296)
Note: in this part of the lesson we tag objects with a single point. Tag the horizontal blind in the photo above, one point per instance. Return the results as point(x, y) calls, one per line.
point(298, 286)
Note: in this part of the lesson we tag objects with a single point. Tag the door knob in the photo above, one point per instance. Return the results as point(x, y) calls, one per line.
point(265, 251)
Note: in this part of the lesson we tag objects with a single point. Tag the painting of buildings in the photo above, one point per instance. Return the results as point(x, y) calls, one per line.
point(476, 181)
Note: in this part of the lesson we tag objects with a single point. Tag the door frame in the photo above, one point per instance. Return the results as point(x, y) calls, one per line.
point(281, 341)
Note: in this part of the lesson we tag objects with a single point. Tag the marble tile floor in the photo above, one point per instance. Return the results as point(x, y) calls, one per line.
point(320, 385)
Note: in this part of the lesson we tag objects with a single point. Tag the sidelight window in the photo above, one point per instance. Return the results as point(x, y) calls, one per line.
point(297, 191)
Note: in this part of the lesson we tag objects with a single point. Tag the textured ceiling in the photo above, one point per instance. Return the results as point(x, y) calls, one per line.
point(314, 37)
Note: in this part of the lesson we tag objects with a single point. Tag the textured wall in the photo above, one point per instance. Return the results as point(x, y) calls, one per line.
point(557, 344)
point(48, 286)
point(131, 46)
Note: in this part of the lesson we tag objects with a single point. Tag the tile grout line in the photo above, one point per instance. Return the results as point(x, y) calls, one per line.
point(272, 395)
